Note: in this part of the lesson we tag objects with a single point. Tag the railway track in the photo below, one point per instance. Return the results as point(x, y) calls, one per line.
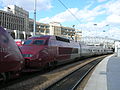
point(42, 80)
point(72, 80)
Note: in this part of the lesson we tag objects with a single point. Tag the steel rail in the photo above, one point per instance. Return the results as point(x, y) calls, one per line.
point(64, 79)
point(80, 80)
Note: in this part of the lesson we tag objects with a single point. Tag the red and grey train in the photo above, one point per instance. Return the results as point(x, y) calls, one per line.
point(11, 59)
point(39, 52)
point(42, 51)
point(49, 50)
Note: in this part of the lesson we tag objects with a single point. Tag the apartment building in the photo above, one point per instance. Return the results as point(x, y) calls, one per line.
point(20, 12)
point(16, 20)
point(55, 28)
point(11, 22)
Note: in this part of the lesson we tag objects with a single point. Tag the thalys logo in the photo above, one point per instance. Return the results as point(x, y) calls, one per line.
point(4, 49)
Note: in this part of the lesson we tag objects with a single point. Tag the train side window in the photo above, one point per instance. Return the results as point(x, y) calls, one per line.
point(75, 51)
point(62, 39)
point(65, 50)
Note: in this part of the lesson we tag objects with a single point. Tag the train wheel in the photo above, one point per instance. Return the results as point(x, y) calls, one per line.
point(53, 64)
point(3, 77)
point(50, 66)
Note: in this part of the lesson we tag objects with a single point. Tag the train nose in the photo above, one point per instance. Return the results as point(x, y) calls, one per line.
point(30, 54)
point(27, 54)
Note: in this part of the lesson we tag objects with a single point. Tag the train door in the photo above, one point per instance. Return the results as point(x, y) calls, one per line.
point(52, 48)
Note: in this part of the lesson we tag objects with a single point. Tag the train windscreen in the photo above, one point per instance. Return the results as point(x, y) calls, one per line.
point(34, 42)
point(38, 42)
point(27, 42)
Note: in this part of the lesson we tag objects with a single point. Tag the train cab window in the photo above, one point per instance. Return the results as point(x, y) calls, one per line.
point(28, 42)
point(38, 42)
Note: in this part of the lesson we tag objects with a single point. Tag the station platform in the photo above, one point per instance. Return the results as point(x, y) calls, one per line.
point(106, 75)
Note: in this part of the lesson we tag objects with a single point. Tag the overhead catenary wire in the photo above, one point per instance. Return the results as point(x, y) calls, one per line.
point(69, 11)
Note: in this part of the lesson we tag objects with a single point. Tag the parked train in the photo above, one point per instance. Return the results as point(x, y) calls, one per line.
point(11, 59)
point(40, 52)
point(46, 51)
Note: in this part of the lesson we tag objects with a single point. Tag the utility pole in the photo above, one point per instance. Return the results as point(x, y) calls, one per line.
point(34, 32)
point(75, 35)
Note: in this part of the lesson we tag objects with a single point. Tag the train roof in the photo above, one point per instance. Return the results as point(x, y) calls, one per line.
point(48, 36)
point(40, 36)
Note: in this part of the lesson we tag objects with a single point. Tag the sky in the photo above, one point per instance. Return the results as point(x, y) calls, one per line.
point(96, 18)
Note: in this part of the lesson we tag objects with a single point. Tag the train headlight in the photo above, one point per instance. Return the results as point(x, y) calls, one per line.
point(27, 55)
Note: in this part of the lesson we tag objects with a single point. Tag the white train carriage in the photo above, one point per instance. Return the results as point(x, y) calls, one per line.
point(87, 51)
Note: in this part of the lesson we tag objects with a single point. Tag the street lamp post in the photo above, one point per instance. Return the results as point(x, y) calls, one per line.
point(106, 29)
point(75, 35)
point(95, 29)
point(34, 32)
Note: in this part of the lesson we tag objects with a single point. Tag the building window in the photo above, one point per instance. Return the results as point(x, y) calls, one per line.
point(41, 26)
point(47, 27)
point(47, 31)
point(42, 30)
